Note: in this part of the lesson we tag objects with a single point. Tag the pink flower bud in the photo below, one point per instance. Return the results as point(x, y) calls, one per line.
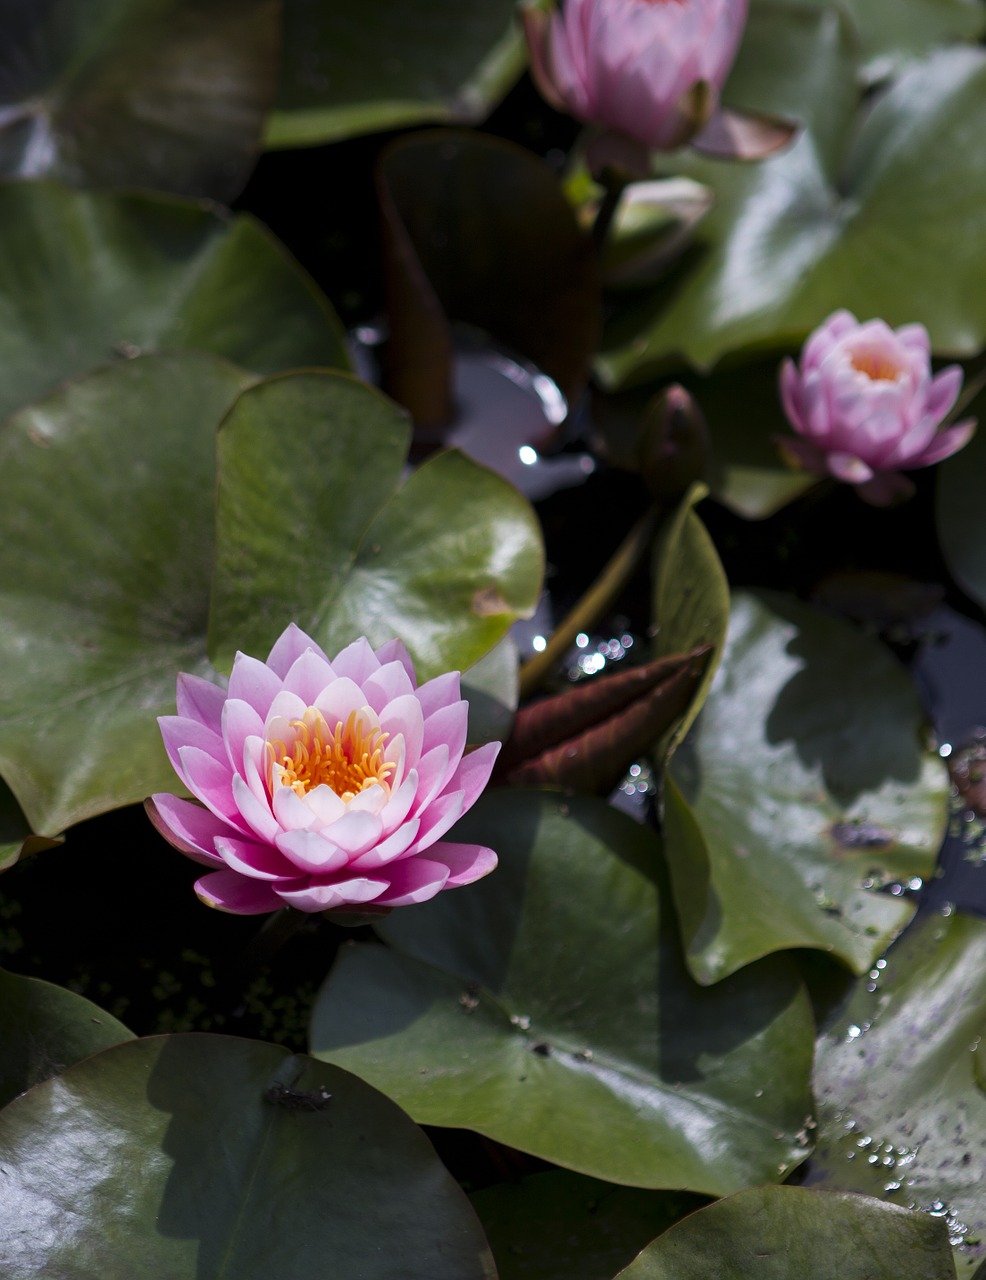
point(864, 403)
point(649, 70)
point(323, 785)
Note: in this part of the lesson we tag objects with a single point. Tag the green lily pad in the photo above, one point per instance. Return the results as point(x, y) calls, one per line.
point(548, 1007)
point(105, 564)
point(16, 838)
point(330, 539)
point(805, 802)
point(691, 600)
point(775, 1233)
point(137, 93)
point(900, 1114)
point(44, 1029)
point(562, 1226)
point(191, 1157)
point(437, 60)
point(854, 214)
point(959, 511)
point(86, 279)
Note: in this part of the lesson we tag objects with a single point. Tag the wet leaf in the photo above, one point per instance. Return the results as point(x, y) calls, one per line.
point(548, 1007)
point(562, 1226)
point(900, 1115)
point(691, 601)
point(439, 60)
point(315, 1173)
point(44, 1029)
point(330, 539)
point(105, 563)
point(86, 279)
point(784, 245)
point(16, 838)
point(776, 1233)
point(805, 801)
point(481, 229)
point(589, 735)
point(167, 94)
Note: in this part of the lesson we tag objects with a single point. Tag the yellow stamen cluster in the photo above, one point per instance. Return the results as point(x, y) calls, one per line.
point(348, 758)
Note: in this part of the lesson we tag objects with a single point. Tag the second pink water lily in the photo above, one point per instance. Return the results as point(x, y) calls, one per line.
point(323, 784)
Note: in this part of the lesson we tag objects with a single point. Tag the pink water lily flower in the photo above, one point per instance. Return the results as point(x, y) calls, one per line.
point(323, 784)
point(865, 404)
point(649, 71)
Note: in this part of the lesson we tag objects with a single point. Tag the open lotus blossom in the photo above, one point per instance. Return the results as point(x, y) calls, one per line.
point(323, 784)
point(649, 71)
point(864, 403)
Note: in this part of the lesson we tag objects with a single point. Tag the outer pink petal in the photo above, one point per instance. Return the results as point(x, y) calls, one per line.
point(308, 675)
point(391, 681)
point(433, 772)
point(440, 815)
point(211, 782)
point(227, 891)
point(466, 862)
point(311, 853)
point(179, 732)
point(255, 816)
point(254, 860)
point(254, 682)
point(413, 880)
point(790, 388)
point(326, 897)
point(943, 392)
point(239, 722)
point(448, 726)
point(395, 846)
point(945, 443)
point(187, 826)
point(396, 651)
point(474, 772)
point(288, 647)
point(200, 700)
point(357, 661)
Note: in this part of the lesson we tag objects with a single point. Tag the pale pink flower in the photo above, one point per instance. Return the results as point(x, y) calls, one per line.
point(323, 785)
point(648, 70)
point(864, 403)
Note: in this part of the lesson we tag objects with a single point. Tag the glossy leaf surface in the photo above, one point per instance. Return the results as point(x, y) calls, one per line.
point(105, 565)
point(437, 60)
point(804, 801)
point(330, 539)
point(548, 1007)
point(198, 1157)
point(44, 1029)
point(900, 1113)
point(828, 222)
point(776, 1233)
point(167, 94)
point(87, 278)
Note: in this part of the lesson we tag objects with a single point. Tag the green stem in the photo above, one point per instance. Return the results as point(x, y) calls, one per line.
point(594, 604)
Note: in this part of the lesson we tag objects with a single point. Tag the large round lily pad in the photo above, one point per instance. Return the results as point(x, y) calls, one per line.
point(198, 1157)
point(87, 278)
point(548, 1007)
point(169, 94)
point(901, 1114)
point(806, 801)
point(435, 60)
point(777, 1233)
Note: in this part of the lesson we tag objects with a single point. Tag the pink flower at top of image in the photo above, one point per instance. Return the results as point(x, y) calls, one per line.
point(866, 406)
point(323, 784)
point(649, 71)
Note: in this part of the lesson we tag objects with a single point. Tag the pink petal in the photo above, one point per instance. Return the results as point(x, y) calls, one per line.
point(254, 682)
point(178, 732)
point(391, 681)
point(256, 861)
point(433, 771)
point(310, 852)
point(388, 850)
point(442, 691)
point(338, 699)
point(255, 815)
point(325, 897)
point(466, 862)
point(308, 675)
point(945, 443)
point(440, 815)
point(239, 722)
point(395, 651)
point(847, 467)
point(227, 891)
point(447, 726)
point(200, 700)
point(211, 782)
point(288, 647)
point(403, 716)
point(357, 661)
point(886, 488)
point(943, 392)
point(474, 772)
point(293, 812)
point(187, 826)
point(413, 880)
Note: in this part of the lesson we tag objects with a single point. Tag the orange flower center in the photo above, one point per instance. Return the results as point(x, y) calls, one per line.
point(348, 758)
point(878, 367)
